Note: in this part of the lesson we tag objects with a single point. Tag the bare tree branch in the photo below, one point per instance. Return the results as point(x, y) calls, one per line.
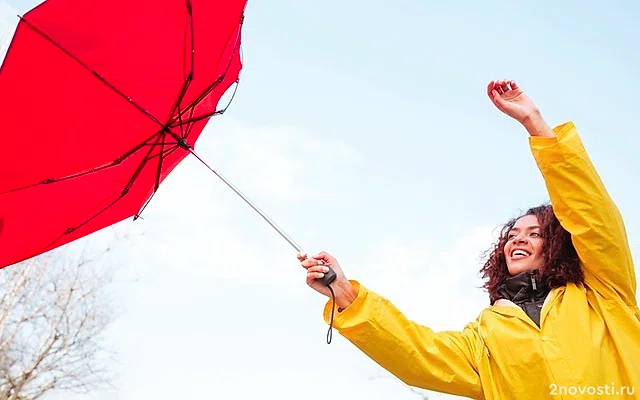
point(54, 310)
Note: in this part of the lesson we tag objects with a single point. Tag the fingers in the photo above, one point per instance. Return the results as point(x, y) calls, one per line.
point(493, 88)
point(490, 86)
point(317, 272)
point(501, 86)
point(502, 91)
point(312, 262)
point(498, 100)
point(318, 268)
point(314, 275)
point(506, 85)
point(494, 91)
point(325, 257)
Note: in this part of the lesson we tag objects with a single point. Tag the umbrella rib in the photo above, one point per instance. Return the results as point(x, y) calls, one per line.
point(161, 156)
point(183, 92)
point(160, 160)
point(189, 78)
point(52, 243)
point(207, 115)
point(193, 45)
point(192, 105)
point(198, 99)
point(123, 193)
point(140, 168)
point(94, 73)
point(112, 164)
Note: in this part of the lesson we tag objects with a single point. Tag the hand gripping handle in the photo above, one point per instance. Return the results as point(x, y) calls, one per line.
point(328, 277)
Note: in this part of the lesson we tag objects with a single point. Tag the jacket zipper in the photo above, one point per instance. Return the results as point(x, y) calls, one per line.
point(534, 286)
point(533, 282)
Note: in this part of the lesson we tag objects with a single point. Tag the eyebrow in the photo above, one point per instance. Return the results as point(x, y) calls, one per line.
point(528, 227)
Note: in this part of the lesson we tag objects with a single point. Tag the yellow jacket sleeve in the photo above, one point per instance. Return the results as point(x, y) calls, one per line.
point(441, 361)
point(585, 209)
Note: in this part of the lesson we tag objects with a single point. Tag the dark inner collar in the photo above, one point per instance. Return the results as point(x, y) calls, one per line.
point(524, 287)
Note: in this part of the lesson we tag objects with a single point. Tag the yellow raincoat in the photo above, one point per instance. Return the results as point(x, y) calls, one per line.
point(588, 345)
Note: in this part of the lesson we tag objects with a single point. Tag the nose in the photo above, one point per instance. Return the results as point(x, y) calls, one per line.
point(520, 238)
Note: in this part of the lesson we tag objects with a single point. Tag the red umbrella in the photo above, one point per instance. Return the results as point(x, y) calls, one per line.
point(99, 102)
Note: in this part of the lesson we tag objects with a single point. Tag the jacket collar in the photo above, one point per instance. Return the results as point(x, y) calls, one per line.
point(526, 292)
point(524, 287)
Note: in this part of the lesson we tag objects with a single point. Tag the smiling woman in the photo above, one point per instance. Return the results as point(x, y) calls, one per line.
point(533, 255)
point(561, 283)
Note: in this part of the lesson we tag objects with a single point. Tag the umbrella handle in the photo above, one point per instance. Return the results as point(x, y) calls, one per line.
point(328, 277)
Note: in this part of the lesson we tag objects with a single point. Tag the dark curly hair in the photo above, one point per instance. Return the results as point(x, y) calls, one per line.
point(561, 261)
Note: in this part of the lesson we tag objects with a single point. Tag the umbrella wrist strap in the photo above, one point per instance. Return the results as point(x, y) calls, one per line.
point(333, 310)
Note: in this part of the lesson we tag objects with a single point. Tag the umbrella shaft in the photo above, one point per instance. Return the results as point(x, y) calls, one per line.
point(261, 213)
point(250, 203)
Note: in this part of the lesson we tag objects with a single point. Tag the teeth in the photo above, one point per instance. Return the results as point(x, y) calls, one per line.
point(520, 253)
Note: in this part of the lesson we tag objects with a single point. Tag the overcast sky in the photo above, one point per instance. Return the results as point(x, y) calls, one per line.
point(362, 128)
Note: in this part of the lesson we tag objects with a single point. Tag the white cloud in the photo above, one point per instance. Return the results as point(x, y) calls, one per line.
point(435, 284)
point(278, 161)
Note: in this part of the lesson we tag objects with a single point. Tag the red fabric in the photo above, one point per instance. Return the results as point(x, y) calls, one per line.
point(58, 119)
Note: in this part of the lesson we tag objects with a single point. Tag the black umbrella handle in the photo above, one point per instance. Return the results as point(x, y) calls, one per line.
point(328, 277)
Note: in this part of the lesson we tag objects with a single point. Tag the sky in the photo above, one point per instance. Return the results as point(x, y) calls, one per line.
point(363, 129)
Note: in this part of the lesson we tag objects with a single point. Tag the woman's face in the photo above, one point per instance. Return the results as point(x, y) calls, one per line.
point(523, 250)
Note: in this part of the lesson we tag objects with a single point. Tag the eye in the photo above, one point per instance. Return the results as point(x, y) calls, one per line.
point(535, 234)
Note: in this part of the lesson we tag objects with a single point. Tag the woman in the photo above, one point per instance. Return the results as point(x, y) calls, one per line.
point(563, 318)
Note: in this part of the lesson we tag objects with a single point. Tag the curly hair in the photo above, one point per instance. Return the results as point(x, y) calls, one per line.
point(561, 261)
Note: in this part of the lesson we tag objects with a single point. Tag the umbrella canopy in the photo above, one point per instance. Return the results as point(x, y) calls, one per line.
point(99, 102)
